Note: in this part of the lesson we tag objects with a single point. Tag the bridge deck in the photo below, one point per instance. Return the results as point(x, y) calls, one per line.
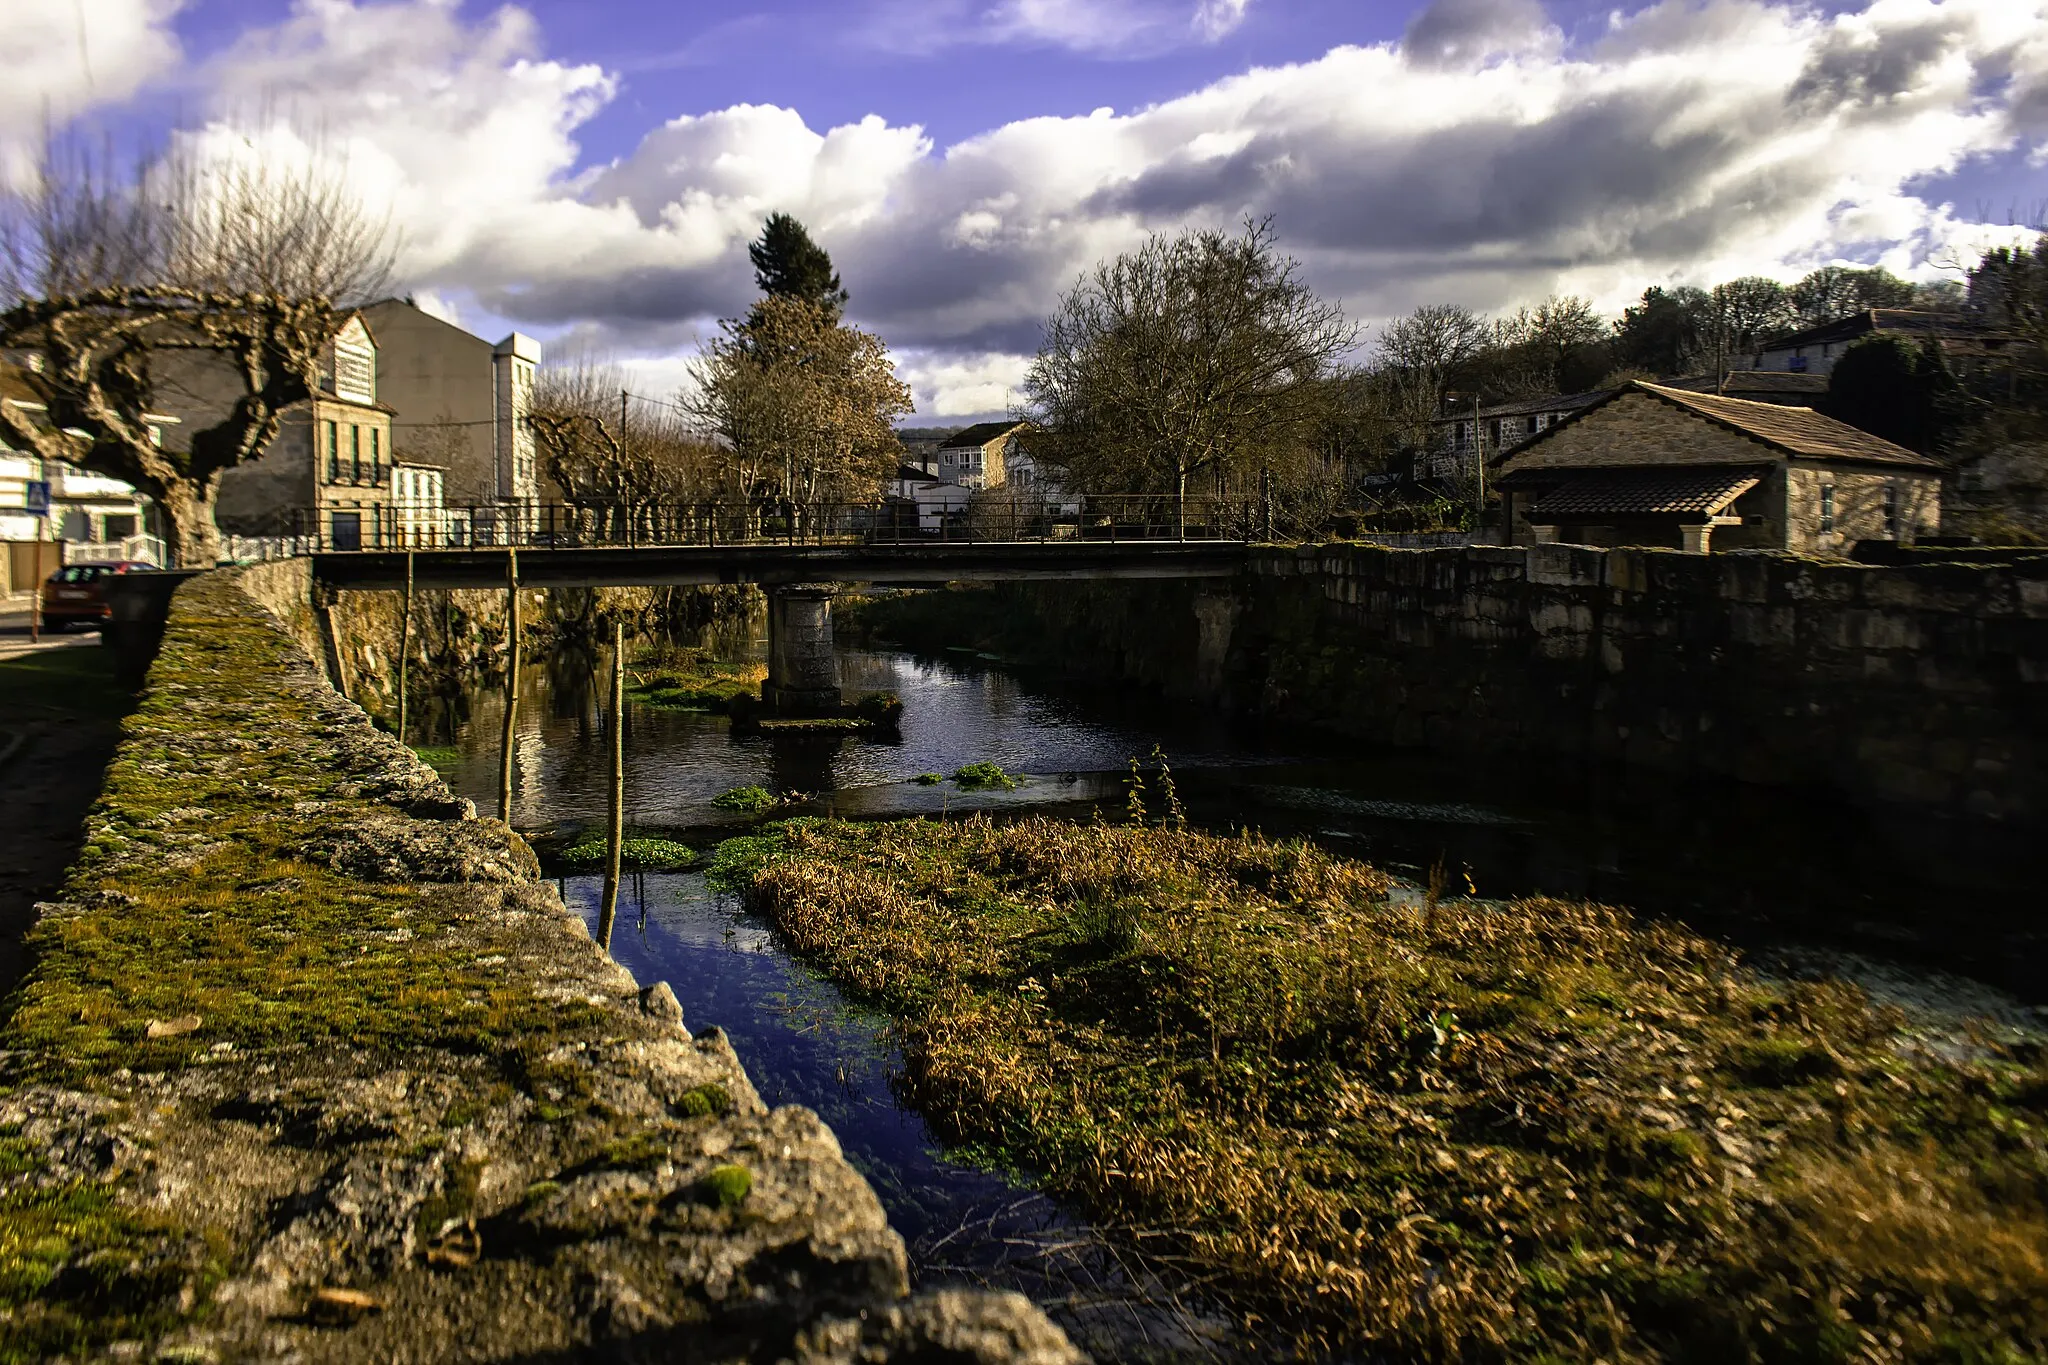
point(882, 564)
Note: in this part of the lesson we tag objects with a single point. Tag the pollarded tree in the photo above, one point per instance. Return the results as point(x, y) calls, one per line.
point(614, 456)
point(1195, 354)
point(1749, 310)
point(122, 283)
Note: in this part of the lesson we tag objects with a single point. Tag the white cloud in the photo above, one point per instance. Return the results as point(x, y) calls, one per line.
point(1480, 161)
point(65, 57)
point(1100, 28)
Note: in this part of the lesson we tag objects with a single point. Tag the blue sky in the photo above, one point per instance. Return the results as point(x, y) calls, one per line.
point(590, 172)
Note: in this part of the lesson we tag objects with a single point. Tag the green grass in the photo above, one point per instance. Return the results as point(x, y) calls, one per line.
point(680, 679)
point(635, 855)
point(77, 682)
point(1467, 1131)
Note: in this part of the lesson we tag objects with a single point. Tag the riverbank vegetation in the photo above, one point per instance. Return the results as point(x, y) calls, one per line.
point(680, 678)
point(636, 854)
point(1438, 1130)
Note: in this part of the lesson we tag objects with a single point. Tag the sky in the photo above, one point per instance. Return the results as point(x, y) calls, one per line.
point(590, 171)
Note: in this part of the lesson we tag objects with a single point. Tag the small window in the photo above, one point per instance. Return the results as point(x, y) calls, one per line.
point(333, 453)
point(119, 526)
point(1827, 508)
point(355, 454)
point(1891, 511)
point(376, 456)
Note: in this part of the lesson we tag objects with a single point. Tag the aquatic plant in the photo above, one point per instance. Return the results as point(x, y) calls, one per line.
point(684, 679)
point(635, 855)
point(984, 776)
point(745, 799)
point(1526, 1130)
point(438, 755)
point(929, 779)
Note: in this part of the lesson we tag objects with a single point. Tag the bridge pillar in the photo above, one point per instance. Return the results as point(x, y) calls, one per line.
point(803, 672)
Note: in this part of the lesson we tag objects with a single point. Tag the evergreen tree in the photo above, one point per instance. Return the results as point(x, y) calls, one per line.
point(1664, 334)
point(789, 265)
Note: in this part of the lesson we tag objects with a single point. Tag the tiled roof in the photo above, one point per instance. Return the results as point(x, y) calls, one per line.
point(1914, 320)
point(1525, 407)
point(1783, 432)
point(1796, 431)
point(1644, 492)
point(980, 434)
point(1761, 385)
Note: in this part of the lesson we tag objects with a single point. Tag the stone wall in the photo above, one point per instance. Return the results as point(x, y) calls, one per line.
point(1919, 686)
point(1923, 685)
point(311, 1066)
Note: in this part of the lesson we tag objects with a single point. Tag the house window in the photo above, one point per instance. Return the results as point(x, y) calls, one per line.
point(355, 454)
point(119, 526)
point(348, 531)
point(1827, 508)
point(333, 453)
point(376, 456)
point(1891, 511)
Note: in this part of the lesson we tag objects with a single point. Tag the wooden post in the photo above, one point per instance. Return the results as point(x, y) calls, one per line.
point(405, 646)
point(615, 816)
point(506, 740)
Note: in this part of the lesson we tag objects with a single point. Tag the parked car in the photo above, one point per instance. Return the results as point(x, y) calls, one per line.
point(77, 593)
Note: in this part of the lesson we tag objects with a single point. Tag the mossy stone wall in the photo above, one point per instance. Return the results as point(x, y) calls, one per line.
point(309, 1065)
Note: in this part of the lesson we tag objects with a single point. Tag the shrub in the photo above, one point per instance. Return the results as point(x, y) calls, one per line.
point(929, 779)
point(745, 799)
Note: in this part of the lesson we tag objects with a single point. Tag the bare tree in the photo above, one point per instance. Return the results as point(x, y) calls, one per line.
point(1197, 353)
point(1421, 355)
point(1747, 311)
point(613, 455)
point(118, 277)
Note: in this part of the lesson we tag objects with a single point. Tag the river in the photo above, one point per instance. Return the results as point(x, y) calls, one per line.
point(1942, 922)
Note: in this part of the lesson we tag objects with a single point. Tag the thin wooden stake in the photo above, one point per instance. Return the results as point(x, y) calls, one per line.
point(615, 821)
point(505, 741)
point(405, 647)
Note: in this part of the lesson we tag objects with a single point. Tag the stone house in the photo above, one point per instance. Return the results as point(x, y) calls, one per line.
point(1653, 465)
point(462, 404)
point(1966, 341)
point(328, 471)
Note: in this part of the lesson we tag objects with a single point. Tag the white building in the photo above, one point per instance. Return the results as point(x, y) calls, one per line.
point(89, 518)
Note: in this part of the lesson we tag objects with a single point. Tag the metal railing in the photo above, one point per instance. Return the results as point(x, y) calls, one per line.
point(1093, 518)
point(137, 549)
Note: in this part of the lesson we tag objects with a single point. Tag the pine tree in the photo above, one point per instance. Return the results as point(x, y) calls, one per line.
point(788, 264)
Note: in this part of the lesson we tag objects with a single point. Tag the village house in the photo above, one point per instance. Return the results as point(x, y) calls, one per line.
point(1655, 465)
point(986, 455)
point(328, 470)
point(462, 406)
point(1966, 342)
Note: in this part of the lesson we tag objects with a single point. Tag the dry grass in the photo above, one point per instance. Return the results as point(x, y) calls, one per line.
point(1531, 1131)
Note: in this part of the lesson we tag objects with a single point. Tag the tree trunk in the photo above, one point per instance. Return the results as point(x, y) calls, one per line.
point(191, 539)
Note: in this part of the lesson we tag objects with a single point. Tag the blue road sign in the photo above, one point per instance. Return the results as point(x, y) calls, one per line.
point(38, 498)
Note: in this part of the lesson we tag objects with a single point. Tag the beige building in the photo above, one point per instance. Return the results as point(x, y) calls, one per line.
point(985, 455)
point(461, 403)
point(328, 471)
point(1659, 466)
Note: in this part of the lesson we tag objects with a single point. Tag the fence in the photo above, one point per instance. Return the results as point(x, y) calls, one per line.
point(580, 526)
point(139, 549)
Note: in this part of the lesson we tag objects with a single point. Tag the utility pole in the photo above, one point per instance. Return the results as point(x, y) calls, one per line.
point(615, 823)
point(509, 735)
point(405, 646)
point(1479, 465)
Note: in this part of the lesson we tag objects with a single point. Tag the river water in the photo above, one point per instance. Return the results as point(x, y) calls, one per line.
point(1942, 922)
